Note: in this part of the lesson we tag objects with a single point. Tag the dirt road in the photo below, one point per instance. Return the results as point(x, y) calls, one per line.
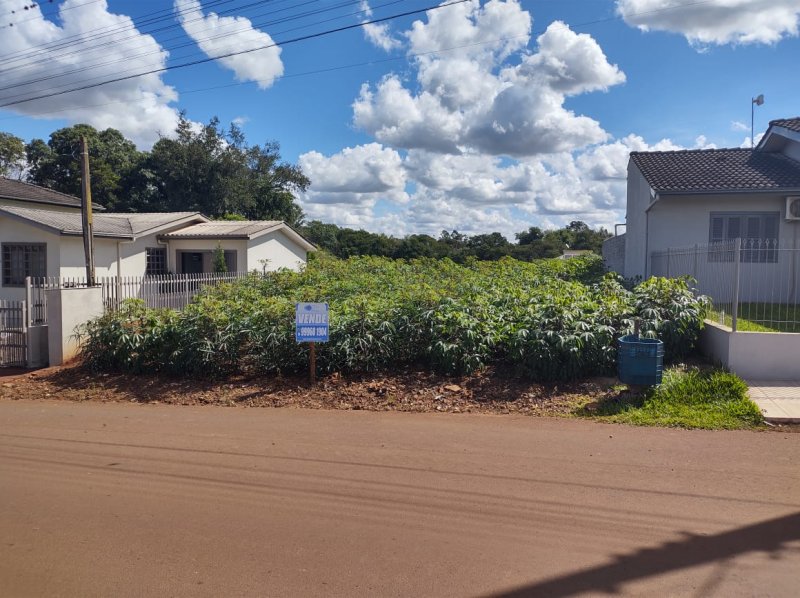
point(129, 500)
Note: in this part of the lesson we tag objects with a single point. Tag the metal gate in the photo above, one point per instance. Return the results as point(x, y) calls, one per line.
point(13, 334)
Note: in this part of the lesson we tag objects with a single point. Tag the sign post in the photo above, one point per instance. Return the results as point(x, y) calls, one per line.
point(311, 326)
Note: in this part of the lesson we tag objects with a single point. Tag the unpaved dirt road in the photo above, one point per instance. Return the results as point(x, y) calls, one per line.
point(127, 500)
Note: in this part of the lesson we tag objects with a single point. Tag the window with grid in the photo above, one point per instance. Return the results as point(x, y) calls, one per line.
point(156, 261)
point(758, 231)
point(21, 260)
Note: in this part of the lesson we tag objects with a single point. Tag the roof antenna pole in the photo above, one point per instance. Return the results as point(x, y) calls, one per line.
point(86, 213)
point(756, 102)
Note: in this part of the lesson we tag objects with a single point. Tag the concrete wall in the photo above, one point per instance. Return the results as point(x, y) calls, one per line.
point(278, 249)
point(66, 310)
point(614, 254)
point(636, 223)
point(752, 355)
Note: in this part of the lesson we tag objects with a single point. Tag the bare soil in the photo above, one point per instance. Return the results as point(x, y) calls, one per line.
point(410, 391)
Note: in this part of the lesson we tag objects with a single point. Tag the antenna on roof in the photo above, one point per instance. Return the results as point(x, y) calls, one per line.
point(758, 101)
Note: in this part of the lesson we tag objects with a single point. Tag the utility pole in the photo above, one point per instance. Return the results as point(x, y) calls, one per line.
point(86, 213)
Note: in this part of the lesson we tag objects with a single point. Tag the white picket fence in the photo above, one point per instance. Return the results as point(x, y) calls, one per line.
point(174, 291)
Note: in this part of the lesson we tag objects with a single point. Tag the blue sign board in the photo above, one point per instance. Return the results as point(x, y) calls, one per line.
point(311, 323)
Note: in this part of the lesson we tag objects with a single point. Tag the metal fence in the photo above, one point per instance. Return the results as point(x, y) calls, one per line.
point(13, 339)
point(754, 283)
point(173, 291)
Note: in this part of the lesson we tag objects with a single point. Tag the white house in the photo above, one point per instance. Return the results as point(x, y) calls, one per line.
point(41, 235)
point(680, 199)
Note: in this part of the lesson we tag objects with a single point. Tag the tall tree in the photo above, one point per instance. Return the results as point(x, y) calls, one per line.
point(113, 158)
point(12, 155)
point(217, 173)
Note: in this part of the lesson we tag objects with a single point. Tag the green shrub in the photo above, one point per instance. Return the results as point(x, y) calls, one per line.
point(551, 319)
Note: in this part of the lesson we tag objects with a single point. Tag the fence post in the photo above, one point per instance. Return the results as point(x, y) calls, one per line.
point(28, 301)
point(737, 259)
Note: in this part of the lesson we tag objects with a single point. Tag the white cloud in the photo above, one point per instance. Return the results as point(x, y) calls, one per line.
point(378, 33)
point(217, 36)
point(146, 101)
point(468, 99)
point(701, 142)
point(739, 126)
point(716, 21)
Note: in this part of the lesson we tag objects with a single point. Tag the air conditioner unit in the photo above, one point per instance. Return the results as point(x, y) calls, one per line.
point(793, 208)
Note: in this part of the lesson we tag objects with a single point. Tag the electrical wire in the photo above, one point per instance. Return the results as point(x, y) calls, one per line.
point(238, 52)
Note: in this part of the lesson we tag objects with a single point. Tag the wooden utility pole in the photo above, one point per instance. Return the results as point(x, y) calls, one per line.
point(86, 213)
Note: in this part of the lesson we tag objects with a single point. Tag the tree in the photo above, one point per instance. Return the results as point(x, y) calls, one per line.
point(217, 173)
point(530, 236)
point(12, 155)
point(219, 265)
point(113, 160)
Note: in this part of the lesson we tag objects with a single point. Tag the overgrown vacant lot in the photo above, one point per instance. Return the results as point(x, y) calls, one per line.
point(541, 321)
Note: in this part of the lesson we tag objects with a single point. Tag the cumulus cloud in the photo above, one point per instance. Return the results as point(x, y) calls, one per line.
point(739, 126)
point(378, 33)
point(716, 21)
point(87, 57)
point(468, 99)
point(217, 36)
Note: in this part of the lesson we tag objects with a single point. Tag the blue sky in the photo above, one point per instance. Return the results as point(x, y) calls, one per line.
point(479, 116)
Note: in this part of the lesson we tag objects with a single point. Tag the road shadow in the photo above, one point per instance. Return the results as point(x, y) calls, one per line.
point(769, 536)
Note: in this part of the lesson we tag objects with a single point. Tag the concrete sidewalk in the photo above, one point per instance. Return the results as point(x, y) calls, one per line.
point(779, 401)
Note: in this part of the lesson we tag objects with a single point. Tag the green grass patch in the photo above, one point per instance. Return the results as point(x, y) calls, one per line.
point(688, 398)
point(761, 317)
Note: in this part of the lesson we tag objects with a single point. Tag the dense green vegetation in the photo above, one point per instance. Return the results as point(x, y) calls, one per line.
point(551, 319)
point(531, 244)
point(689, 398)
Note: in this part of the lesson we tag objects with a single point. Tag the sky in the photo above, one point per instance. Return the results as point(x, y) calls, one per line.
point(476, 116)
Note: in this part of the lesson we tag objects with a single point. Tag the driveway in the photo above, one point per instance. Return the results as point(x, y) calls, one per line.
point(131, 500)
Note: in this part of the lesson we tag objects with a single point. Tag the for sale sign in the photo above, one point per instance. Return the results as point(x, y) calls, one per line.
point(311, 322)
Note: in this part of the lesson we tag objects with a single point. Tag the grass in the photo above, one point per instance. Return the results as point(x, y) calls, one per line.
point(710, 399)
point(761, 317)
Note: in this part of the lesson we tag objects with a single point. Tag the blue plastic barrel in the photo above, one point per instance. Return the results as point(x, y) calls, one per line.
point(640, 360)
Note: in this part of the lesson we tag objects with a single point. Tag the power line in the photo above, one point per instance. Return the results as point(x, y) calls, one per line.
point(237, 53)
point(101, 32)
point(193, 42)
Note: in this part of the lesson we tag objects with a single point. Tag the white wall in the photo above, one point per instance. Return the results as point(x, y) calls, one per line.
point(636, 223)
point(754, 355)
point(73, 260)
point(279, 249)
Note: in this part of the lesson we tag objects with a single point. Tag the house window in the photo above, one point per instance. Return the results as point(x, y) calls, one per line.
point(758, 231)
point(21, 260)
point(156, 261)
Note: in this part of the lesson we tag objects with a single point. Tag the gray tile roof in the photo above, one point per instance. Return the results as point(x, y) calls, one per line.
point(123, 226)
point(793, 124)
point(718, 170)
point(19, 191)
point(245, 229)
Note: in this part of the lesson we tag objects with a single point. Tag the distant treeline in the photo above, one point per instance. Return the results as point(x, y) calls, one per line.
point(531, 244)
